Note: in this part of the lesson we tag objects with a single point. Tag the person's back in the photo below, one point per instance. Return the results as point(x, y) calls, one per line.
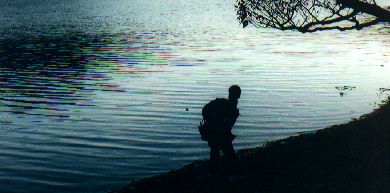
point(220, 115)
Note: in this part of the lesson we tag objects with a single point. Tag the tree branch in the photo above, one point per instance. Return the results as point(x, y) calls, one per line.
point(311, 15)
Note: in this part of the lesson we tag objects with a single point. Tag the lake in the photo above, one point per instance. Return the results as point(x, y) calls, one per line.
point(97, 93)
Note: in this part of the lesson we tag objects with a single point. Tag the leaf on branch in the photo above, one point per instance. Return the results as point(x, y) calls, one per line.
point(245, 23)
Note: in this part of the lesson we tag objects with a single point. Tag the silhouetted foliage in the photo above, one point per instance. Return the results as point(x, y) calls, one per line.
point(311, 15)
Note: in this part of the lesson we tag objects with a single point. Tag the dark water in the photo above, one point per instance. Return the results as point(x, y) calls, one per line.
point(94, 93)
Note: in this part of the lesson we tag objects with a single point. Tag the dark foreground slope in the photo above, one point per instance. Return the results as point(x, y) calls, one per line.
point(353, 157)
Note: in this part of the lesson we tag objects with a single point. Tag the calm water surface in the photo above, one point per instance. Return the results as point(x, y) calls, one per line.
point(94, 93)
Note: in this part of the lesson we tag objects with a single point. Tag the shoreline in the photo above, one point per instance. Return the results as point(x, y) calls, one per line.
point(352, 157)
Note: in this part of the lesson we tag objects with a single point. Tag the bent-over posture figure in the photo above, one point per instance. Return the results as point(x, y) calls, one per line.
point(219, 116)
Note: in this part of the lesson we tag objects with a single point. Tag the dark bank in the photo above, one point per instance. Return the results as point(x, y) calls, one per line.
point(352, 157)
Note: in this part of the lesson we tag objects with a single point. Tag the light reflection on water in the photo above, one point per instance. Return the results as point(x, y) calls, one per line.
point(90, 111)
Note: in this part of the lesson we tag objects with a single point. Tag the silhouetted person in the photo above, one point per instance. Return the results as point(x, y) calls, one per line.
point(219, 116)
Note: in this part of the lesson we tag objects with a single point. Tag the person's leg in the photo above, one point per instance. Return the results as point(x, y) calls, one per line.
point(230, 155)
point(228, 150)
point(214, 157)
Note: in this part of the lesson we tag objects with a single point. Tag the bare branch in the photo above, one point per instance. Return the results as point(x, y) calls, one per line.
point(311, 15)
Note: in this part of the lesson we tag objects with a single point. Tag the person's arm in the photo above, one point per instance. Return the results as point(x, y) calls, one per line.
point(231, 120)
point(205, 111)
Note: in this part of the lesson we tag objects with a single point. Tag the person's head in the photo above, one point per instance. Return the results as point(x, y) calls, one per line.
point(234, 93)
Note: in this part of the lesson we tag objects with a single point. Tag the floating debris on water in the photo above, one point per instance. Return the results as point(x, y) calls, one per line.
point(345, 87)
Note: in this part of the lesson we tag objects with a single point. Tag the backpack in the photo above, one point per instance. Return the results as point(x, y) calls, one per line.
point(213, 114)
